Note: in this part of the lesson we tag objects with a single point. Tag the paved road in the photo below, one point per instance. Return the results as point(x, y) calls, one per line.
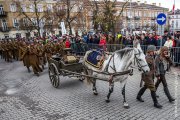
point(24, 96)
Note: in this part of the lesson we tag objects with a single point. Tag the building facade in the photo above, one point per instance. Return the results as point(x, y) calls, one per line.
point(21, 24)
point(135, 16)
point(24, 18)
point(174, 20)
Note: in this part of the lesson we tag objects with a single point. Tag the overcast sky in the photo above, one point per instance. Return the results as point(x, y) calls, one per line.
point(164, 3)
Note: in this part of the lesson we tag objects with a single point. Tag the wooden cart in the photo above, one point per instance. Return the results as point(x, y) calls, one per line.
point(57, 68)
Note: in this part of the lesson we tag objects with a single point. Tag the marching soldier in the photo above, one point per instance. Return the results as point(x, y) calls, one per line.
point(24, 53)
point(8, 49)
point(49, 50)
point(15, 50)
point(34, 61)
point(148, 78)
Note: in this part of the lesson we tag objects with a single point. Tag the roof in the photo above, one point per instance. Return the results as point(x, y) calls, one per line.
point(177, 12)
point(134, 5)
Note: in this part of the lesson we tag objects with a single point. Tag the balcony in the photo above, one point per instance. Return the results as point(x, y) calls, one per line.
point(137, 18)
point(4, 29)
point(3, 14)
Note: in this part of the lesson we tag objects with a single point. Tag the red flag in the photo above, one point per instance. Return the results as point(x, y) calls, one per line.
point(173, 9)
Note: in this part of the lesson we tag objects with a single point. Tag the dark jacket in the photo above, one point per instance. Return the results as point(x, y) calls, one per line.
point(151, 41)
point(160, 65)
point(148, 77)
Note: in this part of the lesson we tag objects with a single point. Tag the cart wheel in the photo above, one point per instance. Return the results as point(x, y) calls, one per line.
point(54, 75)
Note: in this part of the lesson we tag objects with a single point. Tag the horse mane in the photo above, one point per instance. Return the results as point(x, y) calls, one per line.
point(123, 52)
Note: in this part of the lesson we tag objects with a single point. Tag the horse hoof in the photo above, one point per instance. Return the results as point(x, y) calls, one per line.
point(81, 80)
point(126, 106)
point(95, 93)
point(107, 101)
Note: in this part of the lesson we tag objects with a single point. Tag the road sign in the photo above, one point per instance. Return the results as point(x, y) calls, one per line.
point(161, 19)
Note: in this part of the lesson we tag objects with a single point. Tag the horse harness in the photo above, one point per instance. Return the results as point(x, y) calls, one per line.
point(138, 60)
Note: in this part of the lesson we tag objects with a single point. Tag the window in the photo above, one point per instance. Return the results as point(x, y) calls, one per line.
point(1, 9)
point(140, 13)
point(144, 23)
point(172, 24)
point(4, 24)
point(31, 8)
point(40, 8)
point(34, 21)
point(129, 25)
point(176, 23)
point(136, 13)
point(145, 13)
point(42, 23)
point(23, 8)
point(128, 13)
point(132, 13)
point(15, 23)
point(13, 8)
point(50, 7)
point(25, 21)
point(152, 14)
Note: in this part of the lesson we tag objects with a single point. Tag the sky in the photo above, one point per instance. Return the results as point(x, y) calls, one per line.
point(164, 3)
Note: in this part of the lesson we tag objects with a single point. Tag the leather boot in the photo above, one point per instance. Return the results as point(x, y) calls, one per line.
point(28, 69)
point(156, 104)
point(141, 92)
point(166, 90)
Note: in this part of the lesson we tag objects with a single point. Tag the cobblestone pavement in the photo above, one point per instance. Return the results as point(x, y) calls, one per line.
point(24, 96)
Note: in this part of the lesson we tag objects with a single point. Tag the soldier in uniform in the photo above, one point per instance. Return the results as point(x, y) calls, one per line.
point(34, 61)
point(15, 50)
point(163, 61)
point(3, 49)
point(24, 55)
point(48, 49)
point(148, 78)
point(40, 53)
point(8, 51)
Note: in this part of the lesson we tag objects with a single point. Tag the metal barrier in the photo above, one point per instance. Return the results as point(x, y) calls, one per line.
point(81, 48)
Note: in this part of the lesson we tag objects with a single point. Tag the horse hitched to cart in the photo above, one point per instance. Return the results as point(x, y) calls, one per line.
point(114, 67)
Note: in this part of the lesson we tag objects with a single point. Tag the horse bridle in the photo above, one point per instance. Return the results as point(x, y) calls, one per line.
point(138, 61)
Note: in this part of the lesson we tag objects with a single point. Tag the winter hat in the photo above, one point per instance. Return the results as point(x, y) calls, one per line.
point(151, 48)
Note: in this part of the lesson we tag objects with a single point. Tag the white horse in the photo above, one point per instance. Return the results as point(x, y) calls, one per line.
point(118, 62)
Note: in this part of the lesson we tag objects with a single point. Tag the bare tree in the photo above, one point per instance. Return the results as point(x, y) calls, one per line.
point(71, 12)
point(36, 16)
point(106, 15)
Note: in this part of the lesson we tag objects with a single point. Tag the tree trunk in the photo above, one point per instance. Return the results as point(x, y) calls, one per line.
point(70, 28)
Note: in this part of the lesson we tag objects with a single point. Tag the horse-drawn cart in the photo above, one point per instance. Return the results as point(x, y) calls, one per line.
point(58, 67)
